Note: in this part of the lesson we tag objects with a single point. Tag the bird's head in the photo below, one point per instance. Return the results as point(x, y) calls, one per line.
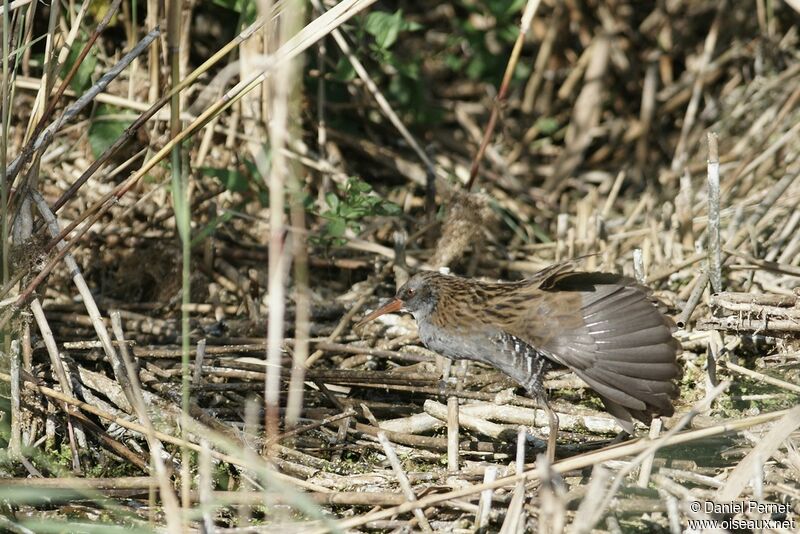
point(417, 296)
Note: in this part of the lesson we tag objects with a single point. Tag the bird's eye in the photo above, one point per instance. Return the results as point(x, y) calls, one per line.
point(410, 292)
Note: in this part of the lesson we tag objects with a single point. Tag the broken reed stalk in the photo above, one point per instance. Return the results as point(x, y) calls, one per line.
point(453, 425)
point(714, 245)
point(297, 216)
point(181, 203)
point(485, 502)
point(527, 18)
point(276, 172)
point(5, 333)
point(168, 498)
point(402, 479)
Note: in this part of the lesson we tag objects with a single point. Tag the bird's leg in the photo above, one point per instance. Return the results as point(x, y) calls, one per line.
point(553, 423)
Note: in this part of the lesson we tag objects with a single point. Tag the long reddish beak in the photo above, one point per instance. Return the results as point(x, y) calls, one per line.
point(392, 306)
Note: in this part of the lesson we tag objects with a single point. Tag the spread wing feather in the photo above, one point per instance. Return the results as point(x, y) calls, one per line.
point(606, 329)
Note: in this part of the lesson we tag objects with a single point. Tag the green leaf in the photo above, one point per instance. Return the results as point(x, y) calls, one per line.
point(104, 131)
point(332, 201)
point(359, 185)
point(252, 168)
point(547, 125)
point(344, 71)
point(231, 179)
point(390, 208)
point(385, 27)
point(83, 77)
point(336, 228)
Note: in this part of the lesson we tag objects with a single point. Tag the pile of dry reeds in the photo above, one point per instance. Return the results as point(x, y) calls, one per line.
point(179, 297)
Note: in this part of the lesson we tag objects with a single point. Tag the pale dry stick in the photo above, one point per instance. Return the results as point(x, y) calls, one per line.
point(136, 399)
point(376, 93)
point(684, 494)
point(646, 117)
point(638, 266)
point(250, 437)
point(277, 174)
point(15, 441)
point(459, 370)
point(613, 525)
point(302, 327)
point(701, 281)
point(714, 247)
point(562, 224)
point(441, 412)
point(51, 64)
point(612, 194)
point(586, 515)
point(742, 473)
point(783, 236)
point(647, 464)
point(453, 424)
point(750, 324)
point(783, 268)
point(673, 512)
point(680, 156)
point(576, 72)
point(691, 476)
point(294, 402)
point(205, 485)
point(540, 63)
point(783, 305)
point(553, 506)
point(167, 438)
point(298, 44)
point(11, 6)
point(86, 294)
point(198, 361)
point(485, 502)
point(794, 388)
point(402, 479)
point(61, 375)
point(683, 206)
point(525, 23)
point(515, 514)
point(489, 410)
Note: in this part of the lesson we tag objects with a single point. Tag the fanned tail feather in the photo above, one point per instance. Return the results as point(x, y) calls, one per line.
point(624, 349)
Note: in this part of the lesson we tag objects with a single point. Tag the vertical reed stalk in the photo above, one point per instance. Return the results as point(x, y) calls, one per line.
point(714, 247)
point(182, 206)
